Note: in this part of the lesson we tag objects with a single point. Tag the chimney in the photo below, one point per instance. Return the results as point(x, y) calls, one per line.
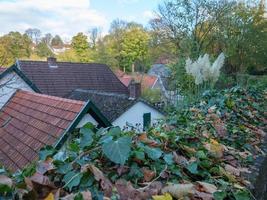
point(52, 62)
point(134, 90)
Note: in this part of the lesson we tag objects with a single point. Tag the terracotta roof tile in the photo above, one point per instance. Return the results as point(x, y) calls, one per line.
point(30, 121)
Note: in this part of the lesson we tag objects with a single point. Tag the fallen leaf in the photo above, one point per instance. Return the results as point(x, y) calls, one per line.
point(4, 180)
point(179, 190)
point(206, 187)
point(148, 174)
point(105, 183)
point(165, 196)
point(50, 197)
point(180, 160)
point(203, 195)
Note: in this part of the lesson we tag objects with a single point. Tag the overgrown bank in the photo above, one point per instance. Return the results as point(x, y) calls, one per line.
point(203, 152)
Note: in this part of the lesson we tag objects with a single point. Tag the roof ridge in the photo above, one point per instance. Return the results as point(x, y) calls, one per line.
point(103, 93)
point(44, 61)
point(50, 97)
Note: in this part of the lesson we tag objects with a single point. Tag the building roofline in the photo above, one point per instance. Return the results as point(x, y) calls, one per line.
point(15, 68)
point(90, 108)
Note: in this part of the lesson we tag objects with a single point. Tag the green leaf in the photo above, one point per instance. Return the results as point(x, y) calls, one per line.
point(114, 131)
point(118, 151)
point(139, 155)
point(73, 146)
point(219, 195)
point(168, 158)
point(72, 179)
point(192, 167)
point(65, 168)
point(86, 137)
point(45, 152)
point(61, 155)
point(201, 154)
point(242, 195)
point(153, 153)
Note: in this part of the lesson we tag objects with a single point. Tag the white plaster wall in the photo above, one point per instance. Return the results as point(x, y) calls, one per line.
point(135, 116)
point(9, 84)
point(86, 118)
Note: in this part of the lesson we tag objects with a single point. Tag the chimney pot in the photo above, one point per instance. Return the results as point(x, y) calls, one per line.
point(134, 90)
point(52, 62)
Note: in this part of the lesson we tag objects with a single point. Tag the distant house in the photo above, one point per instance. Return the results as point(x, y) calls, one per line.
point(147, 81)
point(29, 121)
point(163, 73)
point(122, 110)
point(58, 78)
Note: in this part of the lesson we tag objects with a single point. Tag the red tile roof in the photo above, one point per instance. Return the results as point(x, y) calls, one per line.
point(147, 81)
point(30, 121)
point(2, 69)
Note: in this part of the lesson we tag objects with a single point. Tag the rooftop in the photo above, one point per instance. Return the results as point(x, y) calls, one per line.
point(29, 121)
point(61, 78)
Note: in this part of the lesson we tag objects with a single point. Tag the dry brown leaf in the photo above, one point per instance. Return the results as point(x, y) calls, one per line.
point(105, 183)
point(206, 187)
point(203, 195)
point(148, 174)
point(4, 180)
point(179, 190)
point(232, 170)
point(180, 160)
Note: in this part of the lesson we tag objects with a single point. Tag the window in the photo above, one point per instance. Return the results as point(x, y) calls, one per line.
point(146, 120)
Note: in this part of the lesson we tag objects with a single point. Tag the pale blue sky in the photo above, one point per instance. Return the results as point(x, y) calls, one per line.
point(67, 17)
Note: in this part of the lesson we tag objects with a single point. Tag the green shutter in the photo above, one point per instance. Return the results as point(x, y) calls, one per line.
point(146, 120)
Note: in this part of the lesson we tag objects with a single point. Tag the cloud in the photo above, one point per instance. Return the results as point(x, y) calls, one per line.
point(148, 14)
point(64, 17)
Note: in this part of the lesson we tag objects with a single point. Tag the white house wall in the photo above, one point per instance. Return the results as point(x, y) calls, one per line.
point(9, 84)
point(87, 118)
point(134, 115)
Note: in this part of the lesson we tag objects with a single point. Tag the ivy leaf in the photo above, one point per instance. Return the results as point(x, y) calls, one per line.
point(168, 158)
point(86, 137)
point(114, 131)
point(192, 167)
point(219, 195)
point(153, 153)
point(64, 169)
point(72, 179)
point(118, 151)
point(241, 195)
point(45, 152)
point(139, 155)
point(61, 156)
point(201, 154)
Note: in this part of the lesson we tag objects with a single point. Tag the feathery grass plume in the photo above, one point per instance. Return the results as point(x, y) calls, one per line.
point(202, 70)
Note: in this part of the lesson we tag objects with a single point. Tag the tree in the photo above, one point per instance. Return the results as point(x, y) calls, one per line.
point(34, 34)
point(57, 41)
point(42, 50)
point(94, 35)
point(80, 45)
point(189, 24)
point(14, 45)
point(134, 47)
point(47, 39)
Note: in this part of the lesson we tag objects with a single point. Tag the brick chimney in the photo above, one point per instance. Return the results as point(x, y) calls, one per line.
point(52, 62)
point(134, 90)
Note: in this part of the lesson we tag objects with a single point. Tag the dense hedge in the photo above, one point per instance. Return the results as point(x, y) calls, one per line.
point(201, 152)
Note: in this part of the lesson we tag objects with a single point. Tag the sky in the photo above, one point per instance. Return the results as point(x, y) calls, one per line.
point(67, 17)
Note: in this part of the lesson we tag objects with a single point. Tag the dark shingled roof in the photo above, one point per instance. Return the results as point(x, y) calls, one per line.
point(66, 77)
point(110, 104)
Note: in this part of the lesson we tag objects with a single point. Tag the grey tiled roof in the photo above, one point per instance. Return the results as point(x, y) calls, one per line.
point(112, 105)
point(66, 77)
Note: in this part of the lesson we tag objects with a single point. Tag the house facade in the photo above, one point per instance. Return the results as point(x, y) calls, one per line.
point(127, 112)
